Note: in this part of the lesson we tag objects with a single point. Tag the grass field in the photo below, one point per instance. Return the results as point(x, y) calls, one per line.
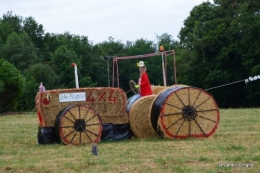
point(235, 147)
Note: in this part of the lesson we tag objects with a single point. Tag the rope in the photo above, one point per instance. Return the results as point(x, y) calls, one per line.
point(224, 85)
point(250, 79)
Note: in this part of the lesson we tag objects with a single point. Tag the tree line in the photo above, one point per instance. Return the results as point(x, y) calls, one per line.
point(218, 44)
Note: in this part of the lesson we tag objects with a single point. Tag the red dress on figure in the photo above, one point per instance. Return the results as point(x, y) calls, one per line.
point(145, 86)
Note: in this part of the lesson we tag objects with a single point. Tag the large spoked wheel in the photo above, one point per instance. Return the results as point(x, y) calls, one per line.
point(132, 87)
point(78, 124)
point(185, 112)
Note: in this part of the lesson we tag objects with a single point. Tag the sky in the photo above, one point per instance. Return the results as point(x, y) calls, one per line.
point(123, 20)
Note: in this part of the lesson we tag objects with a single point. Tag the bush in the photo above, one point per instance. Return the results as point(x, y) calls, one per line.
point(12, 85)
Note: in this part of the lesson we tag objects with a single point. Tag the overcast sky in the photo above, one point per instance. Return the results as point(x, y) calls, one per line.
point(99, 19)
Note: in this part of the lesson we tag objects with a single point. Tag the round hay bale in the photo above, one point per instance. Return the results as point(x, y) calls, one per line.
point(181, 112)
point(78, 124)
point(139, 117)
point(157, 89)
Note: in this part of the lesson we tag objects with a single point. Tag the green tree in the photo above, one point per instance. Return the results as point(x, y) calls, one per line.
point(103, 53)
point(20, 51)
point(42, 73)
point(36, 74)
point(62, 59)
point(12, 85)
point(214, 37)
point(35, 32)
point(10, 23)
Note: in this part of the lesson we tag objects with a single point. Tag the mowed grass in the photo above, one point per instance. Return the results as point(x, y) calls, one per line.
point(235, 147)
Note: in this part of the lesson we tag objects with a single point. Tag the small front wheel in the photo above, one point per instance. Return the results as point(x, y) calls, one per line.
point(78, 124)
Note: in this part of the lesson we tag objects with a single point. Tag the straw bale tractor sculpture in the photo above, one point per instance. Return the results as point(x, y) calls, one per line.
point(79, 115)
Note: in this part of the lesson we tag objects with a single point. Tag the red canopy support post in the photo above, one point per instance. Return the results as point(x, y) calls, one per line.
point(165, 66)
point(163, 70)
point(117, 74)
point(161, 48)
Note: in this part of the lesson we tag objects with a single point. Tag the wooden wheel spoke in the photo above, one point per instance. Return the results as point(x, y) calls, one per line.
point(88, 136)
point(189, 95)
point(86, 114)
point(66, 126)
point(80, 137)
point(72, 115)
point(73, 137)
point(179, 99)
point(172, 114)
point(93, 124)
point(173, 106)
point(180, 127)
point(69, 133)
point(91, 117)
point(189, 129)
point(207, 110)
point(196, 98)
point(91, 132)
point(200, 128)
point(174, 123)
point(69, 119)
point(208, 119)
point(79, 111)
point(203, 102)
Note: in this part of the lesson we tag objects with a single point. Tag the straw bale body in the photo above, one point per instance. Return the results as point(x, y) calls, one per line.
point(109, 103)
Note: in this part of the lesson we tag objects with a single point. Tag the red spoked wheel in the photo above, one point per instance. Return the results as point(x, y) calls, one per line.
point(78, 124)
point(183, 112)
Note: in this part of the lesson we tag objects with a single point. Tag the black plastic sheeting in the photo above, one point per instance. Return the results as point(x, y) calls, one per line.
point(157, 105)
point(47, 135)
point(116, 132)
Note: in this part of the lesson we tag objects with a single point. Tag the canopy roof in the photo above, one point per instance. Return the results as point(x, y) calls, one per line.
point(164, 55)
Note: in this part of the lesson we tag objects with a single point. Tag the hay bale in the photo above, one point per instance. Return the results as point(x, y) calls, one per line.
point(139, 117)
point(108, 102)
point(183, 112)
point(157, 89)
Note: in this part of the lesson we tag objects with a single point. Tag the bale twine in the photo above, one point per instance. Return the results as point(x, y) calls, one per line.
point(139, 116)
point(108, 102)
point(78, 125)
point(181, 112)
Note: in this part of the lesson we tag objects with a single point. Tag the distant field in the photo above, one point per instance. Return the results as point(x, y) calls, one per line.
point(235, 147)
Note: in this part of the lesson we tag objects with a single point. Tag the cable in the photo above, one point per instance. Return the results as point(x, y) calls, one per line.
point(250, 79)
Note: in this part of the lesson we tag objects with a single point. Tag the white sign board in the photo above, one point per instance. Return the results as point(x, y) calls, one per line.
point(72, 97)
